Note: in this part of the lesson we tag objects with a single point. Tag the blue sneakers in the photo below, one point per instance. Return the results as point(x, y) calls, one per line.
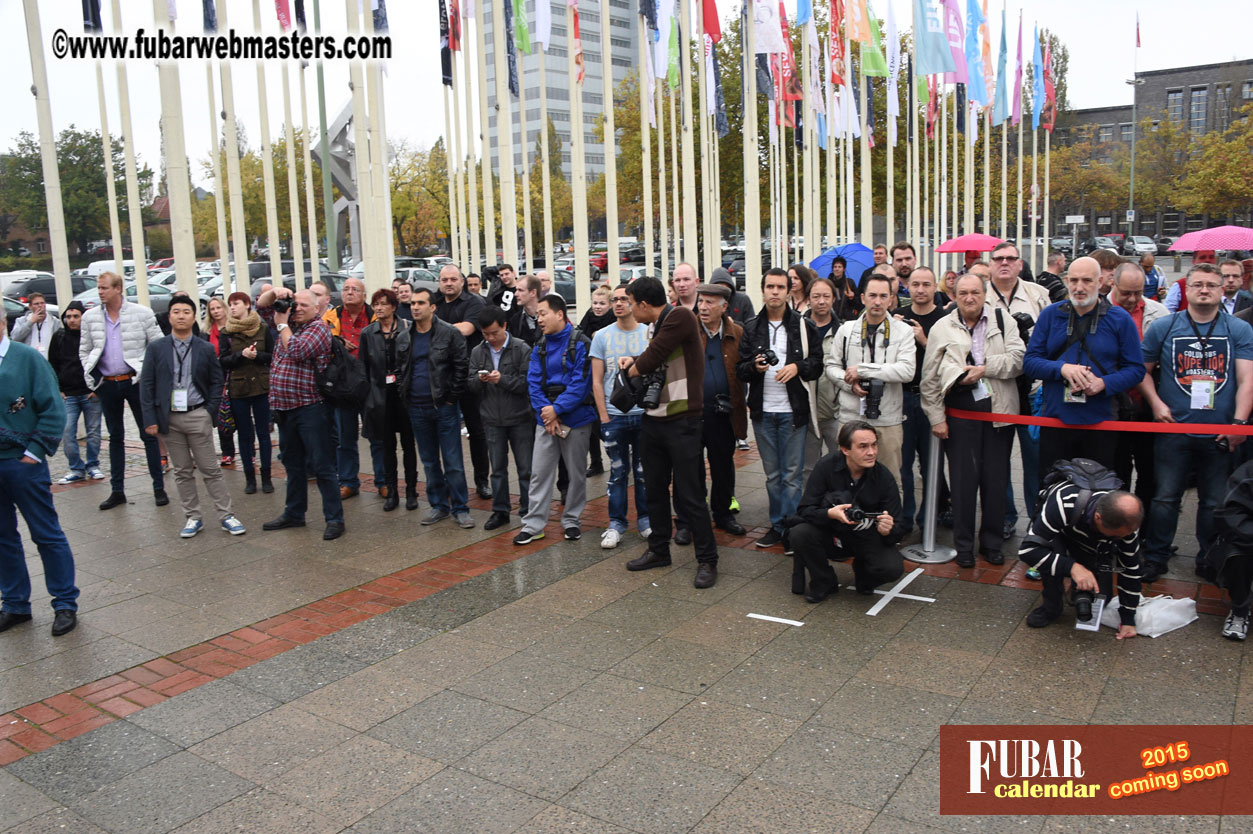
point(231, 525)
point(191, 528)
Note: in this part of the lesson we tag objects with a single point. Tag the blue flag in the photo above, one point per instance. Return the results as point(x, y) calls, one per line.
point(804, 11)
point(1037, 80)
point(931, 42)
point(1000, 103)
point(974, 56)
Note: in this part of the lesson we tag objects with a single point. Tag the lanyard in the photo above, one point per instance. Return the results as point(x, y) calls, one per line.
point(1204, 340)
point(182, 357)
point(1012, 294)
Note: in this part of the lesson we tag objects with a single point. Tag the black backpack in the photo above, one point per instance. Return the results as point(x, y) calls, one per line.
point(343, 382)
point(568, 359)
point(1090, 476)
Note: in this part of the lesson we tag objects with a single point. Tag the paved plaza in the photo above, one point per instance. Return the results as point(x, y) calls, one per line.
point(433, 679)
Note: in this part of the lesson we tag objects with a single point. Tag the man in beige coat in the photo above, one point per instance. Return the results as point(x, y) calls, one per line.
point(974, 354)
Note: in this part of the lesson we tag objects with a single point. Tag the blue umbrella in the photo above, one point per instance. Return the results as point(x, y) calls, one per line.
point(858, 258)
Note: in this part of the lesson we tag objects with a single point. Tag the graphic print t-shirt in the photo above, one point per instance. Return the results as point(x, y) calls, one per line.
point(609, 345)
point(1191, 353)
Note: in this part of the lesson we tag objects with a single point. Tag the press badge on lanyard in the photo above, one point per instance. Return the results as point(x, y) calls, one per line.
point(178, 399)
point(1203, 394)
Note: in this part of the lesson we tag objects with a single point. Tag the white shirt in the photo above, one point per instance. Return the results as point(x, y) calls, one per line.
point(774, 399)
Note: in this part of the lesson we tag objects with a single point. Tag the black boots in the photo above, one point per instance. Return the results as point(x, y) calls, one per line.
point(250, 482)
point(392, 501)
point(267, 486)
point(411, 497)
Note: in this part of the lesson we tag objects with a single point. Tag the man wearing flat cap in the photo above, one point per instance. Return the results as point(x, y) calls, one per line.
point(739, 305)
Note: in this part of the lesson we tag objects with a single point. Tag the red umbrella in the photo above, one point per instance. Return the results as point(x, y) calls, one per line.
point(970, 243)
point(1222, 237)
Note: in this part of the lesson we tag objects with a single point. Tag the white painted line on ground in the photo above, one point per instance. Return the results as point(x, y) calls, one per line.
point(895, 592)
point(906, 596)
point(775, 619)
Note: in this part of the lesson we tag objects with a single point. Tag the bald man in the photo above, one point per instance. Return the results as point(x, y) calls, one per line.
point(685, 282)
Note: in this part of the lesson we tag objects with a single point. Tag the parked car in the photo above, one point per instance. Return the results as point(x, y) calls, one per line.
point(633, 254)
point(1139, 245)
point(627, 274)
point(13, 310)
point(46, 284)
point(1164, 242)
point(331, 280)
point(599, 258)
point(158, 298)
point(161, 264)
point(418, 277)
point(1061, 244)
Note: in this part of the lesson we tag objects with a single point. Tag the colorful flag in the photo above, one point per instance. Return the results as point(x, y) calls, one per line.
point(454, 25)
point(522, 32)
point(648, 11)
point(709, 12)
point(511, 52)
point(1137, 30)
point(791, 86)
point(91, 16)
point(872, 60)
point(816, 103)
point(974, 58)
point(835, 45)
point(283, 10)
point(445, 54)
point(1050, 94)
point(956, 34)
point(930, 41)
point(543, 25)
point(766, 27)
point(985, 39)
point(765, 84)
point(380, 17)
point(721, 125)
point(856, 22)
point(1037, 80)
point(933, 111)
point(711, 97)
point(959, 108)
point(1000, 103)
point(672, 53)
point(804, 11)
point(894, 68)
point(1017, 111)
point(576, 43)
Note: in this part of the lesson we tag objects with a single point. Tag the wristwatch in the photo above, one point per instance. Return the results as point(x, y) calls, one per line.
point(1238, 422)
point(282, 327)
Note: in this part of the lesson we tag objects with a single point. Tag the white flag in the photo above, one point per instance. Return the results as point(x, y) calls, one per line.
point(767, 30)
point(774, 128)
point(894, 69)
point(814, 93)
point(711, 91)
point(543, 23)
point(661, 47)
point(852, 117)
point(835, 120)
point(467, 9)
point(173, 12)
point(650, 87)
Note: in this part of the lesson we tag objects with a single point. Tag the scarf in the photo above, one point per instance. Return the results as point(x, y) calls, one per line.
point(249, 325)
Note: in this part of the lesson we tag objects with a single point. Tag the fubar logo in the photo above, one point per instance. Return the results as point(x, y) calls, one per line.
point(1027, 759)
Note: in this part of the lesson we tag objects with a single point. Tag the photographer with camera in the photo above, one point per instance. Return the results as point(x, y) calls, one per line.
point(1089, 534)
point(852, 497)
point(673, 376)
point(871, 361)
point(781, 353)
point(973, 356)
point(560, 383)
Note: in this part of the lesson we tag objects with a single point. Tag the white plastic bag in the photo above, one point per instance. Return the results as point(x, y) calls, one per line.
point(1155, 616)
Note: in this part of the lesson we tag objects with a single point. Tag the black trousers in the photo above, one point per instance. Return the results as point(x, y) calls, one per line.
point(978, 469)
point(671, 453)
point(397, 422)
point(594, 458)
point(718, 441)
point(1064, 444)
point(813, 548)
point(1137, 448)
point(478, 438)
point(1054, 589)
point(1237, 579)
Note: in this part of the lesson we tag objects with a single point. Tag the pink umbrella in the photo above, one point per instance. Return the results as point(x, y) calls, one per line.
point(970, 243)
point(1222, 237)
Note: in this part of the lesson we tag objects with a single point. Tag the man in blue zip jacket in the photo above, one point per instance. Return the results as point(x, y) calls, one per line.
point(1087, 352)
point(560, 385)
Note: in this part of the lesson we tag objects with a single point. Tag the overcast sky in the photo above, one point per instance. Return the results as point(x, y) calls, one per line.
point(1100, 35)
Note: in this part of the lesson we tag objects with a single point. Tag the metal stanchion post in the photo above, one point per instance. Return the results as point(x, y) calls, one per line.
point(927, 552)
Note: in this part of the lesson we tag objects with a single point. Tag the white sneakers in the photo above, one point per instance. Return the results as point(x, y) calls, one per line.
point(610, 539)
point(1236, 627)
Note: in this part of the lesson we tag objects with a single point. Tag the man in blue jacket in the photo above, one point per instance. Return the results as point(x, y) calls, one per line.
point(1087, 352)
point(560, 384)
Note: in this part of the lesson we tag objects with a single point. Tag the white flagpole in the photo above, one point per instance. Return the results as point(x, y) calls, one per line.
point(237, 265)
point(545, 172)
point(1045, 232)
point(267, 156)
point(177, 177)
point(691, 226)
point(528, 239)
point(293, 188)
point(380, 201)
point(48, 157)
point(709, 257)
point(610, 150)
point(987, 172)
point(454, 234)
point(310, 200)
point(806, 217)
point(485, 152)
point(578, 185)
point(663, 246)
point(459, 164)
point(785, 232)
point(215, 149)
point(867, 186)
point(115, 226)
point(1035, 191)
point(134, 217)
point(361, 143)
point(1004, 178)
point(941, 194)
point(798, 221)
point(504, 144)
point(972, 125)
point(646, 141)
point(1018, 232)
point(472, 187)
point(674, 181)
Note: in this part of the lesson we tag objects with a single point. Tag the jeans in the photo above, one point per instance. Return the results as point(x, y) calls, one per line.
point(438, 432)
point(1030, 448)
point(305, 444)
point(89, 407)
point(782, 448)
point(27, 487)
point(500, 439)
point(252, 419)
point(622, 444)
point(347, 455)
point(1211, 465)
point(114, 397)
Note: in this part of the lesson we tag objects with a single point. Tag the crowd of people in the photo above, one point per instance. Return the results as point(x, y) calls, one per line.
point(847, 380)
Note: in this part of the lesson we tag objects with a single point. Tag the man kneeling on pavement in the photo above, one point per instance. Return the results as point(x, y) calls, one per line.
point(851, 497)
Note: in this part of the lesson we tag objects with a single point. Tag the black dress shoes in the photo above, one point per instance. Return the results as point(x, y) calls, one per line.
point(648, 561)
point(683, 537)
point(115, 499)
point(333, 531)
point(730, 525)
point(496, 520)
point(64, 622)
point(392, 501)
point(8, 619)
point(160, 497)
point(706, 575)
point(282, 523)
point(411, 501)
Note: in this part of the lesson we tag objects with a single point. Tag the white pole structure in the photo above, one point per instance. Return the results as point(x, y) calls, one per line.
point(454, 234)
point(798, 221)
point(674, 182)
point(528, 236)
point(941, 194)
point(504, 138)
point(1045, 231)
point(707, 208)
point(310, 201)
point(958, 218)
point(381, 210)
point(1018, 231)
point(785, 231)
point(459, 164)
point(867, 218)
point(833, 218)
point(134, 211)
point(267, 160)
point(238, 265)
point(1035, 191)
point(916, 155)
point(646, 141)
point(361, 143)
point(691, 225)
point(1004, 178)
point(177, 177)
point(664, 243)
point(218, 192)
point(48, 156)
point(968, 193)
point(293, 188)
point(472, 187)
point(987, 172)
point(805, 219)
point(545, 174)
point(485, 153)
point(928, 229)
point(578, 184)
point(610, 142)
point(115, 226)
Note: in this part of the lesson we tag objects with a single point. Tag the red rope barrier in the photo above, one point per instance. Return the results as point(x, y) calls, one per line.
point(1109, 425)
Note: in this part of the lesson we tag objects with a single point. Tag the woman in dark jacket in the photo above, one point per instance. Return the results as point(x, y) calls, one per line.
point(245, 346)
point(218, 316)
point(387, 355)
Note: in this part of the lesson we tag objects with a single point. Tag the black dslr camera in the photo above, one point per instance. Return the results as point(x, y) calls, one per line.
point(770, 356)
point(722, 404)
point(874, 396)
point(857, 515)
point(653, 384)
point(281, 305)
point(1025, 323)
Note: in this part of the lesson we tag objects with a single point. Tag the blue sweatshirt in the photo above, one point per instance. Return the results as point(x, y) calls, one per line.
point(1115, 346)
point(32, 413)
point(573, 406)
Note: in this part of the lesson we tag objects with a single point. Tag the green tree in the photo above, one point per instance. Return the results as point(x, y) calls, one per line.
point(1219, 179)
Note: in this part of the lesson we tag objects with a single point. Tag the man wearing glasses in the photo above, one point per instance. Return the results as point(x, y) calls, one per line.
point(1087, 352)
point(1206, 358)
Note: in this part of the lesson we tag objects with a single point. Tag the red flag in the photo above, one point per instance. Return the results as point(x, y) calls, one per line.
point(1137, 30)
point(713, 28)
point(932, 112)
point(791, 86)
point(284, 14)
point(837, 43)
point(454, 25)
point(1049, 115)
point(577, 43)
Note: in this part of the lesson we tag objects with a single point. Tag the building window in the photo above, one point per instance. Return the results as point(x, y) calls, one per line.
point(1222, 107)
point(559, 31)
point(1246, 91)
point(622, 43)
point(621, 62)
point(1126, 132)
point(619, 23)
point(1174, 105)
point(594, 98)
point(41, 246)
point(1195, 223)
point(620, 4)
point(1106, 134)
point(595, 159)
point(1196, 112)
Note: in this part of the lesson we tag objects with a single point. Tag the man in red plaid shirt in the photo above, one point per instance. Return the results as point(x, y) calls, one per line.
point(305, 433)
